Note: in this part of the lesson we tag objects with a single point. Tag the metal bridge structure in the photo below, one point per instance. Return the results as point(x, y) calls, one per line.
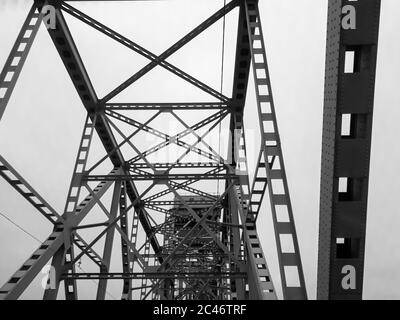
point(177, 239)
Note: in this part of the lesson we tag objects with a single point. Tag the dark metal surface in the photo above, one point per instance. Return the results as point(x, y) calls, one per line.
point(346, 150)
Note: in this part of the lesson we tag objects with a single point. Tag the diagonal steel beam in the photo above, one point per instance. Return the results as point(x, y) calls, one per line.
point(201, 221)
point(82, 245)
point(21, 279)
point(112, 224)
point(24, 188)
point(198, 137)
point(16, 60)
point(169, 139)
point(109, 240)
point(65, 45)
point(139, 49)
point(191, 35)
point(182, 185)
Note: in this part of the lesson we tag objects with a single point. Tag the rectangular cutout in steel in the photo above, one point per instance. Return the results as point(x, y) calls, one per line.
point(353, 126)
point(349, 61)
point(292, 276)
point(357, 58)
point(347, 248)
point(350, 189)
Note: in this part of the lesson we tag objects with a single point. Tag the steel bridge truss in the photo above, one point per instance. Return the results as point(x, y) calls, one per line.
point(177, 239)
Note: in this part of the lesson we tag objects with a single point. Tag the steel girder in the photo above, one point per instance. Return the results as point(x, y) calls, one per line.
point(69, 54)
point(273, 164)
point(34, 264)
point(346, 145)
point(224, 225)
point(156, 275)
point(13, 66)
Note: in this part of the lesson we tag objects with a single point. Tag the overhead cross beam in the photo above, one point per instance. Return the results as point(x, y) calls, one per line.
point(142, 51)
point(167, 53)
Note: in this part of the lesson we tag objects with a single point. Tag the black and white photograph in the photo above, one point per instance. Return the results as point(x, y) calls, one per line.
point(198, 156)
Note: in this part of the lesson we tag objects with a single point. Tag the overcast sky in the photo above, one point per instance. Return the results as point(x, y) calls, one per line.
point(40, 130)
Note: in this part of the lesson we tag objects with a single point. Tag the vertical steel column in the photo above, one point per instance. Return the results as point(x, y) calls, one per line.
point(70, 288)
point(126, 252)
point(70, 210)
point(236, 244)
point(51, 292)
point(108, 245)
point(352, 40)
point(144, 280)
point(80, 166)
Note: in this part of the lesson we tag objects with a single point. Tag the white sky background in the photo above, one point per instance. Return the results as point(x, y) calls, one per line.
point(41, 128)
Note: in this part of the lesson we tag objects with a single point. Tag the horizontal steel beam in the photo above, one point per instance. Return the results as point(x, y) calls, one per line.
point(160, 178)
point(167, 165)
point(166, 106)
point(156, 275)
point(174, 203)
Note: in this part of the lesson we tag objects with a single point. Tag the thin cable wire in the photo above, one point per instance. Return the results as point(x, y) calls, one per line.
point(39, 241)
point(222, 80)
point(19, 227)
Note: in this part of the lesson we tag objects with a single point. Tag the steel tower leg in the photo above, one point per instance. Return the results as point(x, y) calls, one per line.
point(125, 251)
point(259, 279)
point(108, 246)
point(271, 158)
point(51, 292)
point(233, 212)
point(352, 42)
point(144, 280)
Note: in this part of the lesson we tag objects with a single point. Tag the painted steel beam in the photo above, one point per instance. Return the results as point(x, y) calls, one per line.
point(352, 41)
point(16, 60)
point(291, 268)
point(165, 106)
point(176, 139)
point(20, 280)
point(155, 275)
point(174, 48)
point(125, 252)
point(109, 240)
point(161, 178)
point(173, 203)
point(180, 165)
point(31, 195)
point(69, 54)
point(83, 246)
point(140, 50)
